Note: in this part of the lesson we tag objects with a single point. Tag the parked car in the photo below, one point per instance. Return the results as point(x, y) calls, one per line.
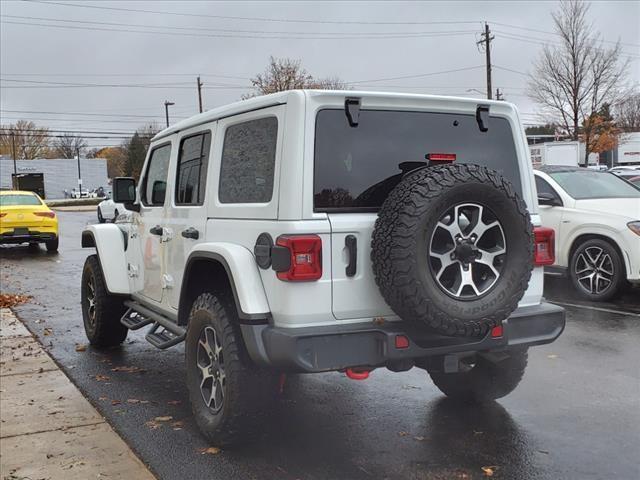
point(596, 217)
point(25, 218)
point(109, 210)
point(630, 175)
point(311, 231)
point(83, 193)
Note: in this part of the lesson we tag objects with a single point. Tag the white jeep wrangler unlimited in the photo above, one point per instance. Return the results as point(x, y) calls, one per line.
point(314, 231)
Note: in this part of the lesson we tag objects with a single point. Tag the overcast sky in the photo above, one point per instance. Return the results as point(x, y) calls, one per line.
point(331, 39)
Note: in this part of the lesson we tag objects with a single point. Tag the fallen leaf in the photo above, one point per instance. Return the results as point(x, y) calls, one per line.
point(210, 451)
point(420, 439)
point(489, 471)
point(47, 331)
point(102, 378)
point(8, 300)
point(103, 398)
point(80, 347)
point(552, 356)
point(174, 402)
point(403, 434)
point(163, 419)
point(177, 424)
point(115, 402)
point(133, 400)
point(152, 425)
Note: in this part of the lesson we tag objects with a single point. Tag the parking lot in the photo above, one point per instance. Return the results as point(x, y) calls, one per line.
point(575, 415)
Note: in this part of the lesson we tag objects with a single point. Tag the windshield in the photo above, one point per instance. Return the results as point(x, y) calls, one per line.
point(585, 184)
point(355, 168)
point(19, 199)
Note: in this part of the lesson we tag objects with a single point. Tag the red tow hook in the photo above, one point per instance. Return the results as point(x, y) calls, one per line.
point(357, 373)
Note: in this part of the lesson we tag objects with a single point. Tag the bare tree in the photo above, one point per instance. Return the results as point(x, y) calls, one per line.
point(68, 145)
point(573, 80)
point(30, 140)
point(286, 74)
point(627, 113)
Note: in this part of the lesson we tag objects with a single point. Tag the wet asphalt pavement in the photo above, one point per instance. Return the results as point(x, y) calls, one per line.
point(576, 414)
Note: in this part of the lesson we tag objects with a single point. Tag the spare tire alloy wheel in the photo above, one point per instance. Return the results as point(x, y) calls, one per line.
point(467, 251)
point(210, 364)
point(452, 249)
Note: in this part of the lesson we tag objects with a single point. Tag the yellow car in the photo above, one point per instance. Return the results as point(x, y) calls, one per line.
point(24, 217)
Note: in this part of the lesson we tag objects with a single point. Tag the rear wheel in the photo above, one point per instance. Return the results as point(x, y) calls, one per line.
point(483, 379)
point(596, 270)
point(52, 245)
point(101, 311)
point(226, 390)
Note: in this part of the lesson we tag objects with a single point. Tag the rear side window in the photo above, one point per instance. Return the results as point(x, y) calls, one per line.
point(154, 185)
point(355, 168)
point(248, 161)
point(192, 169)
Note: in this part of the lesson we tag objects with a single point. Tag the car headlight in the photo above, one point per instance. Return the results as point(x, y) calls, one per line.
point(634, 227)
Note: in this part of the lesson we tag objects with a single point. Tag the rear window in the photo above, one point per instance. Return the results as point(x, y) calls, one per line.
point(6, 200)
point(356, 168)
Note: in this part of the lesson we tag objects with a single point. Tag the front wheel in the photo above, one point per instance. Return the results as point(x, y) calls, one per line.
point(100, 217)
point(101, 311)
point(225, 388)
point(596, 270)
point(482, 379)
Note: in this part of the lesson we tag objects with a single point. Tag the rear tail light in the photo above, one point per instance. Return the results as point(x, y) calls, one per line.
point(544, 253)
point(45, 214)
point(305, 257)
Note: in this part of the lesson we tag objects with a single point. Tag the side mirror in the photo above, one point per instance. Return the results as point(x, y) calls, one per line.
point(546, 198)
point(124, 191)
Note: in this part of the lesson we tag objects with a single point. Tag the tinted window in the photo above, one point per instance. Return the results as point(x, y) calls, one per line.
point(542, 186)
point(248, 161)
point(356, 168)
point(192, 169)
point(155, 181)
point(19, 199)
point(584, 184)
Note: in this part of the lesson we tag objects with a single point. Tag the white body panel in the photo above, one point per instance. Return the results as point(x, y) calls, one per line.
point(110, 247)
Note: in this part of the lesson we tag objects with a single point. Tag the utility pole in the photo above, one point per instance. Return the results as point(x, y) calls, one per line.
point(15, 167)
point(79, 174)
point(199, 83)
point(486, 40)
point(166, 110)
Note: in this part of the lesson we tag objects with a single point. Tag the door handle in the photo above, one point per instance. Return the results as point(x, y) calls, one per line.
point(191, 233)
point(352, 249)
point(157, 230)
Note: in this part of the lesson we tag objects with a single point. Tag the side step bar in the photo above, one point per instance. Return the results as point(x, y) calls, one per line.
point(163, 334)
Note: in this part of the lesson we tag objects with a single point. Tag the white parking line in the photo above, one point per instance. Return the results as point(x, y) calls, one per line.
point(597, 309)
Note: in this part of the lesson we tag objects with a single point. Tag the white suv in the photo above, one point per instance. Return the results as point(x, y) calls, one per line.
point(312, 231)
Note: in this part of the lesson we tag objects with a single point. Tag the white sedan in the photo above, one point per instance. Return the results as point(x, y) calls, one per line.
point(109, 210)
point(596, 217)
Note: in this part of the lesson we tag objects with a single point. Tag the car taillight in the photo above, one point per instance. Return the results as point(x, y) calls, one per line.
point(45, 214)
point(544, 253)
point(305, 253)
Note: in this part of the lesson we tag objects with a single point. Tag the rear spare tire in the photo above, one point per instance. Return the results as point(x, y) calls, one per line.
point(452, 249)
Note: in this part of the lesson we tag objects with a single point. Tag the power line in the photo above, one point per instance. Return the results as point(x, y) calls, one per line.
point(252, 37)
point(82, 113)
point(235, 31)
point(258, 19)
point(547, 32)
point(419, 75)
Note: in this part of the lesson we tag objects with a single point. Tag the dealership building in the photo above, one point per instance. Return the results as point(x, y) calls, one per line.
point(51, 177)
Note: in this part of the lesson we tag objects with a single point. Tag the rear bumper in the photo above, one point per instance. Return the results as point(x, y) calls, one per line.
point(336, 347)
point(30, 236)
